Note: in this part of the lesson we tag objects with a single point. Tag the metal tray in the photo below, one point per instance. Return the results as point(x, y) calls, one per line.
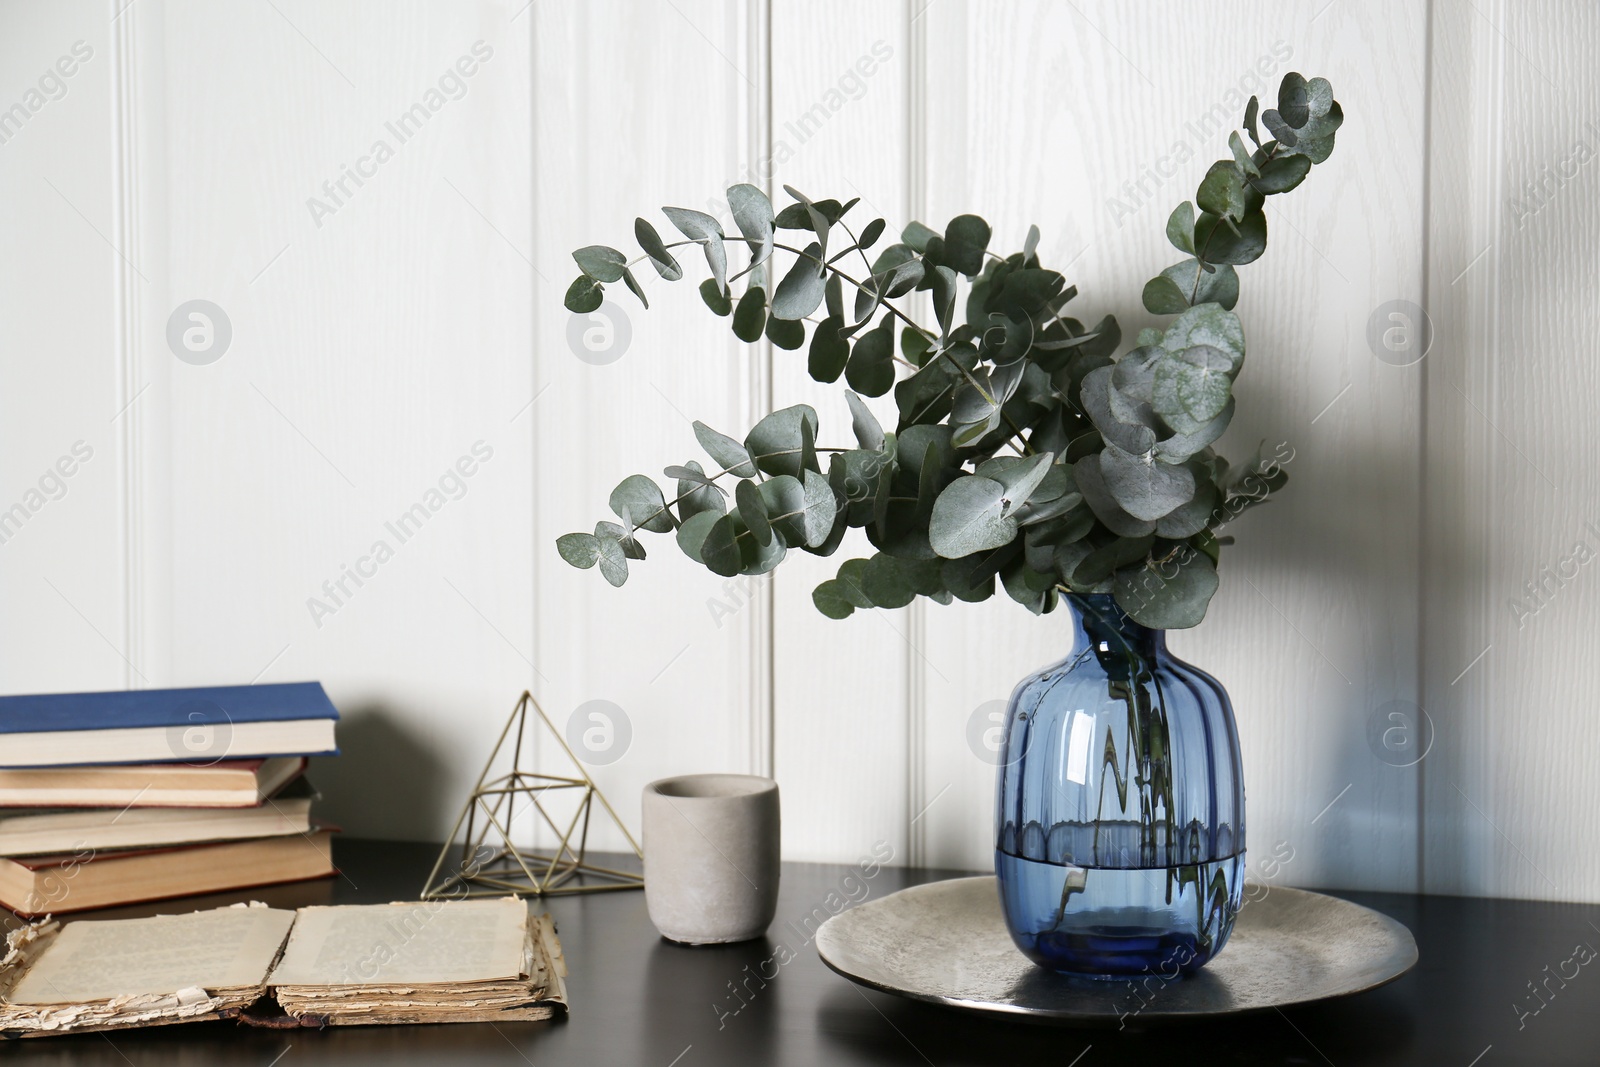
point(946, 942)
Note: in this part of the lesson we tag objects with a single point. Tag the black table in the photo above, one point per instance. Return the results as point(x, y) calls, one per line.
point(639, 1000)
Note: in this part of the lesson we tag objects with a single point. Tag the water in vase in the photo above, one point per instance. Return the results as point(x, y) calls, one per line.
point(1109, 922)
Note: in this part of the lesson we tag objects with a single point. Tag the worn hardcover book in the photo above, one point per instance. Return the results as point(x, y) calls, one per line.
point(228, 784)
point(86, 878)
point(167, 725)
point(37, 832)
point(420, 962)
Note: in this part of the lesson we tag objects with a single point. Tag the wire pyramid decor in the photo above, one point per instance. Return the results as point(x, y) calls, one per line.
point(490, 864)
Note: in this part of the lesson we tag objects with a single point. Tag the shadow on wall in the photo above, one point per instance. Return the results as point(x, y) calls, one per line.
point(386, 782)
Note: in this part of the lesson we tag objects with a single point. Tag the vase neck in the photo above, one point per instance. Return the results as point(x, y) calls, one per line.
point(1099, 623)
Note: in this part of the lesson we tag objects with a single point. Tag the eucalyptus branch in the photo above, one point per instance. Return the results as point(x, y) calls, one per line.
point(1136, 509)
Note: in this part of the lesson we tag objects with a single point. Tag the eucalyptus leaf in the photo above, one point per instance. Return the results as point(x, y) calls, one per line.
point(734, 457)
point(776, 440)
point(752, 213)
point(1180, 227)
point(801, 290)
point(715, 298)
point(750, 317)
point(870, 369)
point(786, 334)
point(602, 263)
point(829, 351)
point(660, 258)
point(1143, 486)
point(698, 226)
point(584, 295)
point(1222, 191)
point(753, 510)
point(970, 516)
point(637, 501)
point(1168, 596)
point(869, 434)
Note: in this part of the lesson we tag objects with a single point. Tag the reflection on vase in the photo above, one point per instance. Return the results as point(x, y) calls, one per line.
point(1120, 815)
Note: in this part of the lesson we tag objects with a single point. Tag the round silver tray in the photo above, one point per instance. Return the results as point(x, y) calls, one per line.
point(946, 942)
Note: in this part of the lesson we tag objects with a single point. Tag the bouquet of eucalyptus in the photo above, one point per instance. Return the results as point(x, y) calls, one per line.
point(1027, 448)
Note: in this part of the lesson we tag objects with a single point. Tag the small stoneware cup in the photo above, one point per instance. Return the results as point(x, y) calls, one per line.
point(711, 857)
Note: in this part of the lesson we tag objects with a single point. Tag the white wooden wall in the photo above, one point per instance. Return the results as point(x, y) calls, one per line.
point(375, 345)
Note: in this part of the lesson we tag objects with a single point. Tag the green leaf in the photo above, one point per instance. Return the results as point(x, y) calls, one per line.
point(1143, 486)
point(1282, 173)
point(801, 290)
point(802, 513)
point(581, 550)
point(601, 262)
point(970, 516)
point(1022, 477)
point(750, 317)
point(1222, 191)
point(698, 226)
point(613, 561)
point(870, 369)
point(730, 454)
point(719, 550)
point(885, 583)
point(1195, 381)
point(1169, 596)
point(715, 298)
point(870, 234)
point(752, 212)
point(1180, 227)
point(786, 335)
point(611, 531)
point(1181, 446)
point(637, 501)
point(776, 440)
point(829, 351)
point(696, 491)
point(916, 235)
point(1194, 516)
point(1250, 111)
point(1314, 138)
point(1163, 297)
point(944, 297)
point(633, 284)
point(1241, 157)
point(1092, 484)
point(1281, 130)
point(1218, 286)
point(869, 433)
point(1207, 324)
point(1220, 244)
point(830, 599)
point(584, 295)
point(1030, 244)
point(965, 240)
point(753, 510)
point(694, 531)
point(1294, 100)
point(660, 258)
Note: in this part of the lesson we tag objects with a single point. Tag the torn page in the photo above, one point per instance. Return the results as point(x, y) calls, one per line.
point(431, 942)
point(228, 948)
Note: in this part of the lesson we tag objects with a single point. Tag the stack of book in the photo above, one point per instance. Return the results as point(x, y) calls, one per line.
point(115, 798)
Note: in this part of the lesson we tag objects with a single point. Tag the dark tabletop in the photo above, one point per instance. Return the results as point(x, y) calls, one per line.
point(637, 999)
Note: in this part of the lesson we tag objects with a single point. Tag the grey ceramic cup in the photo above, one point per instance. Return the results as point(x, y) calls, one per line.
point(711, 856)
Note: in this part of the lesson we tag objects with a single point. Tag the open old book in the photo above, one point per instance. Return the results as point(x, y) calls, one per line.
point(421, 962)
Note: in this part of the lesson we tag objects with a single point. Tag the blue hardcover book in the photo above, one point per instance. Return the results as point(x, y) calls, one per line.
point(196, 726)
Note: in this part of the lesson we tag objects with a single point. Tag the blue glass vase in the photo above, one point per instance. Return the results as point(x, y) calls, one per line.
point(1120, 816)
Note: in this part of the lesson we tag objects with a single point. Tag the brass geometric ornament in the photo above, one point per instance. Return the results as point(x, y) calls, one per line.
point(490, 865)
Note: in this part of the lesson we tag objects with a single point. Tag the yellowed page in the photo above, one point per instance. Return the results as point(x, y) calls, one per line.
point(424, 942)
point(227, 948)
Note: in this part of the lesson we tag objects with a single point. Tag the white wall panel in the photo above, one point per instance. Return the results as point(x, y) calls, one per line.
point(1514, 453)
